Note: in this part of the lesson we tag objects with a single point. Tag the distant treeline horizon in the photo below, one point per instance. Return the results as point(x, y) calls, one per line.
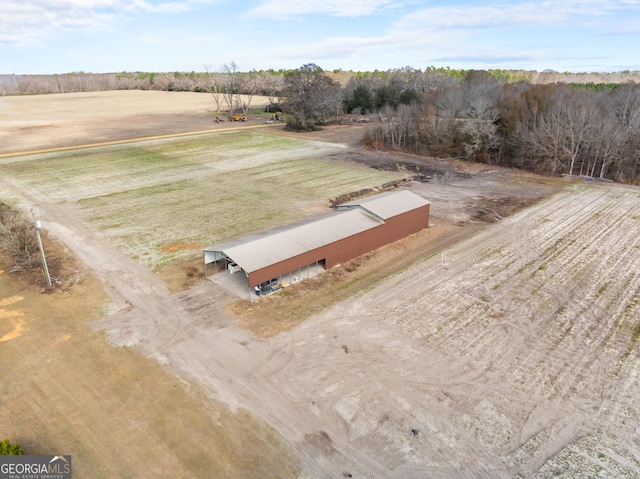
point(74, 82)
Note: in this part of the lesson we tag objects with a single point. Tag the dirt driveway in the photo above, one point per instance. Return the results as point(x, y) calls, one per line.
point(432, 373)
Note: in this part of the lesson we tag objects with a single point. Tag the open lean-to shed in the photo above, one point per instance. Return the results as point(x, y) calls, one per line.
point(352, 230)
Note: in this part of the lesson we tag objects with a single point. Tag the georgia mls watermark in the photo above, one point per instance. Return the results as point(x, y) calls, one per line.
point(35, 467)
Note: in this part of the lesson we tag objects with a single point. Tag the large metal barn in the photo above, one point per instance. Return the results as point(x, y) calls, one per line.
point(285, 254)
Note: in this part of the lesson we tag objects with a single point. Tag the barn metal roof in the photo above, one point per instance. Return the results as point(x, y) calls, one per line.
point(389, 204)
point(259, 250)
point(262, 249)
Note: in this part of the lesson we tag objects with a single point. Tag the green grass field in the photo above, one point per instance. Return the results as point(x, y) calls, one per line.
point(203, 189)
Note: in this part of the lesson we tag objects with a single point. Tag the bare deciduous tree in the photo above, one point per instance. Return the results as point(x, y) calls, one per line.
point(626, 105)
point(311, 96)
point(546, 142)
point(562, 135)
point(250, 85)
point(272, 85)
point(481, 114)
point(230, 74)
point(215, 87)
point(608, 140)
point(439, 132)
point(578, 115)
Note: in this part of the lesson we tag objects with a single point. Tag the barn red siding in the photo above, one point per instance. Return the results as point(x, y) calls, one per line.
point(349, 248)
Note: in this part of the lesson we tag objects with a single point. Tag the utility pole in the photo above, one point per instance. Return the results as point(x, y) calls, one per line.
point(38, 226)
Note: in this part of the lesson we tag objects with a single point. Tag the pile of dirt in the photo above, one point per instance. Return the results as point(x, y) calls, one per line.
point(339, 200)
point(181, 275)
point(492, 209)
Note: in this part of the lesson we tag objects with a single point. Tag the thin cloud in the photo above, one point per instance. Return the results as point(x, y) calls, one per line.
point(412, 43)
point(493, 59)
point(330, 48)
point(28, 23)
point(22, 23)
point(283, 9)
point(171, 7)
point(540, 14)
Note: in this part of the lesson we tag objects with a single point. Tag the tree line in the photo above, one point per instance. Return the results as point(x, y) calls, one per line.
point(521, 119)
point(556, 128)
point(74, 82)
point(548, 128)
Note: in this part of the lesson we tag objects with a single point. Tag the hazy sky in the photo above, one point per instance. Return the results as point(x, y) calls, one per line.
point(61, 36)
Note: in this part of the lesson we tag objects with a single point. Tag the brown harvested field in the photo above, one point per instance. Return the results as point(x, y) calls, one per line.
point(49, 121)
point(506, 337)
